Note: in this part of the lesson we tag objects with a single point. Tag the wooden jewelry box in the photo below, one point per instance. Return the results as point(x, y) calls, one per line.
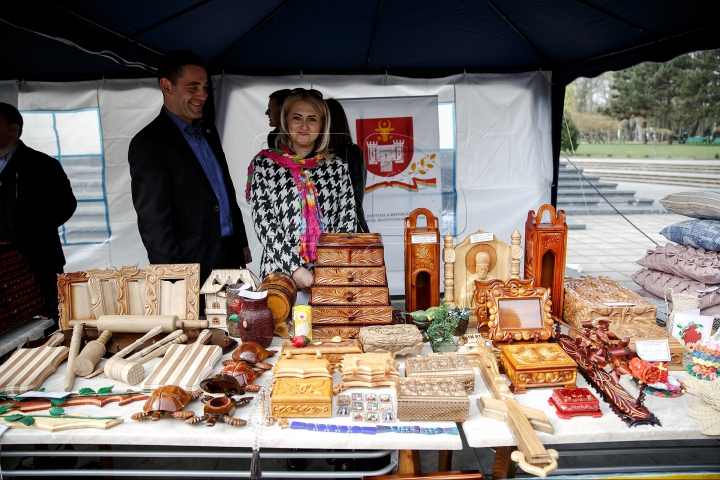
point(532, 365)
point(572, 402)
point(645, 331)
point(302, 397)
point(599, 298)
point(369, 370)
point(393, 339)
point(350, 284)
point(450, 367)
point(432, 399)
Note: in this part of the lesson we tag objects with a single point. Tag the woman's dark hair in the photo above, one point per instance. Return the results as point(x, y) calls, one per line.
point(339, 128)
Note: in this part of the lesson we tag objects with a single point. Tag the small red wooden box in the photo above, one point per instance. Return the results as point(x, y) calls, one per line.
point(571, 402)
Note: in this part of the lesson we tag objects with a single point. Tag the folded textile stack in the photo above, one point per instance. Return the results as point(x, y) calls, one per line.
point(693, 266)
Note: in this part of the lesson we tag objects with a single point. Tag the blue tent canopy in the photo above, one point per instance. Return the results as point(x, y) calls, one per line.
point(67, 40)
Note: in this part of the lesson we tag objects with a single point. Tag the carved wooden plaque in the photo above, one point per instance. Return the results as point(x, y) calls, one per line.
point(545, 251)
point(480, 257)
point(516, 314)
point(181, 298)
point(537, 365)
point(422, 261)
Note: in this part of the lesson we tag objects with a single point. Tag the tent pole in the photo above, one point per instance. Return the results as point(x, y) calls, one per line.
point(557, 104)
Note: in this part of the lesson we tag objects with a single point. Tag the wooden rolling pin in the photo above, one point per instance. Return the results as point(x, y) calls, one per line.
point(91, 355)
point(139, 323)
point(74, 350)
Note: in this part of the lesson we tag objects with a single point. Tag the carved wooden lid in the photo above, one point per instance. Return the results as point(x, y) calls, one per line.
point(354, 240)
point(410, 387)
point(432, 366)
point(541, 355)
point(302, 366)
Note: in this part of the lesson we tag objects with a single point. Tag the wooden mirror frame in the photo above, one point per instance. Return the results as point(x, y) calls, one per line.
point(519, 292)
point(65, 300)
point(190, 272)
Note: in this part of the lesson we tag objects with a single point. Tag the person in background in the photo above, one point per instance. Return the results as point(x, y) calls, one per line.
point(275, 102)
point(181, 187)
point(35, 200)
point(299, 191)
point(342, 146)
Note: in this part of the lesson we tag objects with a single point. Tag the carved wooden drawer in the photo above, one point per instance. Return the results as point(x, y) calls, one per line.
point(350, 276)
point(349, 295)
point(344, 315)
point(350, 249)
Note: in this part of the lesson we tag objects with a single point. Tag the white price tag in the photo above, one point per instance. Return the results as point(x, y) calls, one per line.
point(653, 350)
point(424, 239)
point(481, 237)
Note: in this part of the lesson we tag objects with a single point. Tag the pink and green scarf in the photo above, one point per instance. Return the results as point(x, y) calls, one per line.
point(312, 224)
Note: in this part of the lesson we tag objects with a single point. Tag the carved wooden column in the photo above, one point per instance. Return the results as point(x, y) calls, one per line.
point(449, 259)
point(545, 253)
point(516, 254)
point(422, 261)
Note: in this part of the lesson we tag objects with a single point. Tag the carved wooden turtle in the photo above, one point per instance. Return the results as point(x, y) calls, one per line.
point(169, 399)
point(253, 353)
point(244, 373)
point(220, 408)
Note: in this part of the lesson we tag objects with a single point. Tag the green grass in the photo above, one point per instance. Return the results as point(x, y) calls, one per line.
point(632, 150)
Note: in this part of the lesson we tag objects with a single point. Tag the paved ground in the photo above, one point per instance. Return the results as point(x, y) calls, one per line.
point(610, 245)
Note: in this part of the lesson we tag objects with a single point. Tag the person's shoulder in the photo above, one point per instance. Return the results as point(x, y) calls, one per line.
point(37, 156)
point(155, 129)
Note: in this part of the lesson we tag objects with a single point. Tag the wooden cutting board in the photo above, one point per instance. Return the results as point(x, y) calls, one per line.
point(28, 368)
point(185, 366)
point(58, 424)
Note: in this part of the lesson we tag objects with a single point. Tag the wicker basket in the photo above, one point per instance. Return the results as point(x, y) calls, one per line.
point(432, 399)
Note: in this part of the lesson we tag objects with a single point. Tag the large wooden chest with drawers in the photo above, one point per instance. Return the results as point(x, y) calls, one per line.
point(350, 284)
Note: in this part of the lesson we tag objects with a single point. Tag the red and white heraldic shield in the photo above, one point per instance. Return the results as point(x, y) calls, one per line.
point(387, 143)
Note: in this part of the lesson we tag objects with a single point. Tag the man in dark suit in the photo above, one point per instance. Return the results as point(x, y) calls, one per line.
point(275, 103)
point(35, 199)
point(181, 187)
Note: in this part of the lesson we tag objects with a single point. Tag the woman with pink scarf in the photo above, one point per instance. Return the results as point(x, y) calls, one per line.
point(298, 190)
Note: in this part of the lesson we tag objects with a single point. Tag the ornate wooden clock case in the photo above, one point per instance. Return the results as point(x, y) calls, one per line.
point(422, 261)
point(545, 250)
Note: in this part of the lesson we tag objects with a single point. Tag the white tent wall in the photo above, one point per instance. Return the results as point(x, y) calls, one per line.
point(125, 107)
point(9, 92)
point(503, 163)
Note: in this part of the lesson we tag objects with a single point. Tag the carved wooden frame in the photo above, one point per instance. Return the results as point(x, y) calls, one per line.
point(64, 282)
point(482, 290)
point(525, 293)
point(190, 272)
point(121, 277)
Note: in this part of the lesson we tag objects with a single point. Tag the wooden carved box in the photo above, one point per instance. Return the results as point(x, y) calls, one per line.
point(350, 285)
point(422, 261)
point(646, 331)
point(302, 397)
point(455, 367)
point(531, 365)
point(394, 339)
point(545, 252)
point(600, 299)
point(432, 399)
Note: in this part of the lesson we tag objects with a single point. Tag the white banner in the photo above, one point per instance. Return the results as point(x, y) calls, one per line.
point(400, 139)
